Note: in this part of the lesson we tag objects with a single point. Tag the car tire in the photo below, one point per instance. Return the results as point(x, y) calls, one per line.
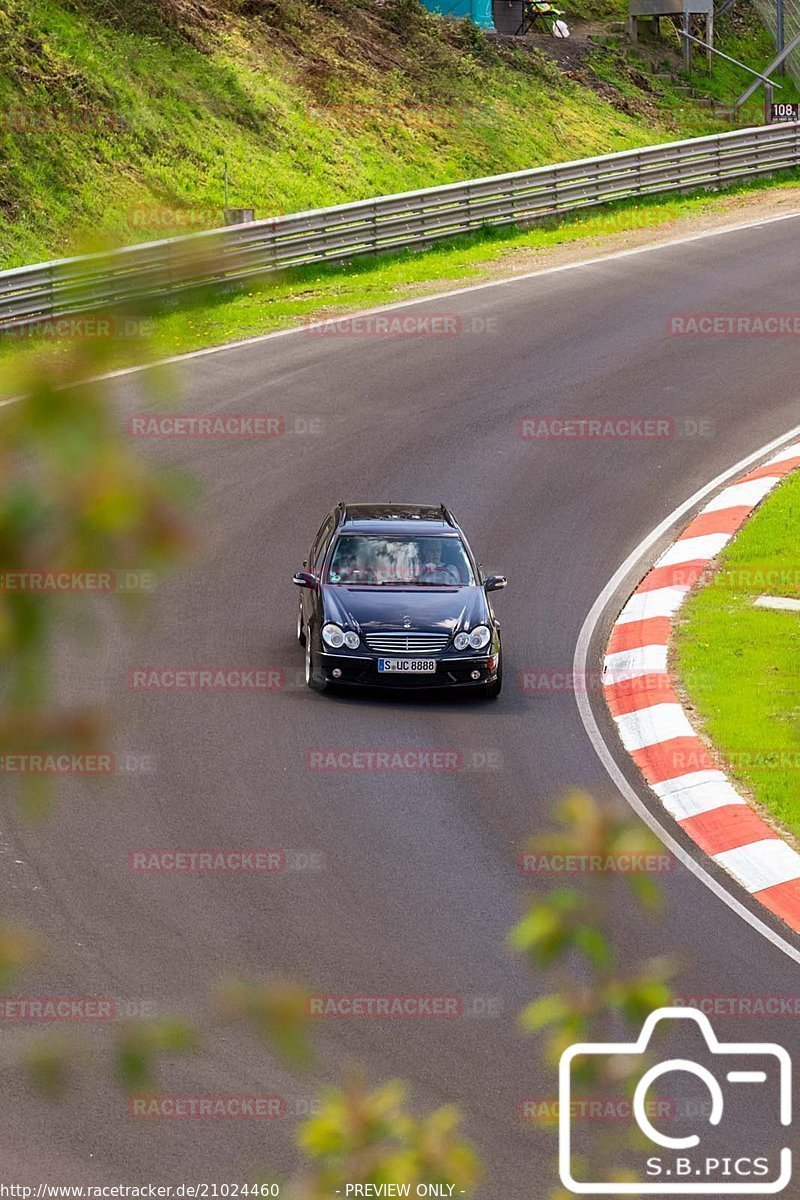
point(301, 633)
point(312, 679)
point(493, 690)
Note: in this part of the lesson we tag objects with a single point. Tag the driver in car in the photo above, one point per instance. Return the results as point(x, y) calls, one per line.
point(434, 569)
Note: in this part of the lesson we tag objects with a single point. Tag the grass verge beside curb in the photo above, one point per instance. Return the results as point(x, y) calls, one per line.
point(740, 665)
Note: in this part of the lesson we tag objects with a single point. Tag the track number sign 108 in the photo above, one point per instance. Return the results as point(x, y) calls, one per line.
point(784, 112)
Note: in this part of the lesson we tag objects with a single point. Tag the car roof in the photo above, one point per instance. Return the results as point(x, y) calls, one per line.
point(397, 518)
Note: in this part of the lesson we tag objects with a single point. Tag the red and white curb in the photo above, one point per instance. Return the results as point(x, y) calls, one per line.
point(656, 731)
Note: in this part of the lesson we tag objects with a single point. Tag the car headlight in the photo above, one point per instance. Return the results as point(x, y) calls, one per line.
point(461, 641)
point(332, 636)
point(351, 639)
point(480, 637)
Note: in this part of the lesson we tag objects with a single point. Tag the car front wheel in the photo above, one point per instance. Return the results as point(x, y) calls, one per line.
point(312, 679)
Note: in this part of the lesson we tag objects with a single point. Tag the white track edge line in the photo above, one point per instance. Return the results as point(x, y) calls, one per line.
point(599, 743)
point(243, 343)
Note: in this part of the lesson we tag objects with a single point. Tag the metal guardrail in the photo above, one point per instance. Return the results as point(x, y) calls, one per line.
point(777, 61)
point(759, 78)
point(96, 282)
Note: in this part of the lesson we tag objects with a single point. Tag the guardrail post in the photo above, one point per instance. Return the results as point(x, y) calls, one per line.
point(50, 309)
point(375, 226)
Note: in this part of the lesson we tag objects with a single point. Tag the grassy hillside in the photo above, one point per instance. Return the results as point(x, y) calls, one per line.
point(117, 116)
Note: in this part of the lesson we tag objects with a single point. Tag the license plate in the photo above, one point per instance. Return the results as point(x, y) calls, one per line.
point(407, 666)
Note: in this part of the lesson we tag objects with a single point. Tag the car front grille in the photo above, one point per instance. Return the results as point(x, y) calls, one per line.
point(407, 643)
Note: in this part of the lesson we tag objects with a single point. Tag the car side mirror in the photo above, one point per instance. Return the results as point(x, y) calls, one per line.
point(304, 579)
point(494, 583)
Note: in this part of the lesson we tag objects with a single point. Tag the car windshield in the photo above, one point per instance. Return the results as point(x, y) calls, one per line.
point(415, 561)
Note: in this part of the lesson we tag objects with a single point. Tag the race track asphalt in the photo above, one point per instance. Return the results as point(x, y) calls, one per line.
point(418, 883)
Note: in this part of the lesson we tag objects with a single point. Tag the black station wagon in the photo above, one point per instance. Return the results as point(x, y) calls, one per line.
point(393, 597)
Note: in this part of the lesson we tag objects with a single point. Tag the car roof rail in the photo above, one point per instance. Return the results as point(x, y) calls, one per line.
point(448, 516)
point(341, 509)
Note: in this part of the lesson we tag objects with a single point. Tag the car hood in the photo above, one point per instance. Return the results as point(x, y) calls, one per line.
point(423, 609)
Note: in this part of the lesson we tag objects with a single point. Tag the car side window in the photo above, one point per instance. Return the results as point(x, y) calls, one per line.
point(315, 545)
point(321, 542)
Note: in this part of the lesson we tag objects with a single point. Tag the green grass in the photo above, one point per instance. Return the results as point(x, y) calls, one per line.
point(292, 297)
point(741, 665)
point(309, 104)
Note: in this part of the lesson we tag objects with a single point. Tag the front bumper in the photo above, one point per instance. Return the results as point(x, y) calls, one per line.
point(451, 672)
